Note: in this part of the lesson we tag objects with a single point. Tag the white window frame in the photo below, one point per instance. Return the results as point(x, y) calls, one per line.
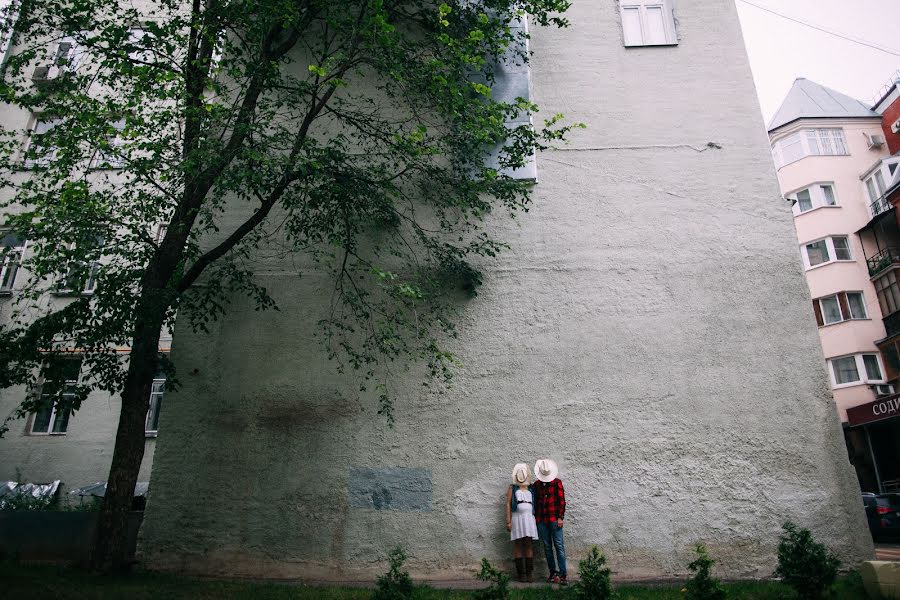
point(865, 308)
point(36, 121)
point(832, 255)
point(10, 261)
point(880, 390)
point(860, 370)
point(53, 411)
point(828, 141)
point(642, 7)
point(817, 196)
point(90, 283)
point(157, 391)
point(113, 160)
point(841, 316)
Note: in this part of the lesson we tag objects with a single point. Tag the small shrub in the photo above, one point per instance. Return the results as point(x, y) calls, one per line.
point(25, 501)
point(702, 585)
point(499, 583)
point(396, 584)
point(804, 564)
point(593, 574)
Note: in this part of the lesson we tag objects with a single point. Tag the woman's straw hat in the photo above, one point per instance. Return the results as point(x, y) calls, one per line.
point(521, 475)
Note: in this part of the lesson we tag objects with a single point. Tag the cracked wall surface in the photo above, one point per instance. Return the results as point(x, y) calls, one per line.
point(649, 329)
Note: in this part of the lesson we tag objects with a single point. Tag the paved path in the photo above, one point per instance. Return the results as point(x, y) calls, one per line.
point(887, 552)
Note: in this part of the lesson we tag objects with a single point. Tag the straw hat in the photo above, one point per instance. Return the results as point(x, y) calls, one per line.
point(546, 470)
point(521, 475)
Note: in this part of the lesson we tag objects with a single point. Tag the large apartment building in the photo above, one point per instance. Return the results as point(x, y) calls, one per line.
point(649, 328)
point(73, 448)
point(837, 165)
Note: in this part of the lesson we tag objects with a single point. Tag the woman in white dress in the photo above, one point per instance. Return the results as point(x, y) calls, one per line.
point(520, 521)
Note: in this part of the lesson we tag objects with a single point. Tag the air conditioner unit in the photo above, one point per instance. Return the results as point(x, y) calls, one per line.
point(884, 390)
point(875, 141)
point(45, 74)
point(895, 127)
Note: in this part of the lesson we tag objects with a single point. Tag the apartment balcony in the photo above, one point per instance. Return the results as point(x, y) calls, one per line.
point(881, 261)
point(879, 206)
point(892, 324)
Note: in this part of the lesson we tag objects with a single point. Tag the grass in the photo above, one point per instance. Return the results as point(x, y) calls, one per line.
point(56, 582)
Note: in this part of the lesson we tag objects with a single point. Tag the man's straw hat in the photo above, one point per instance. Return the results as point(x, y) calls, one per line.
point(546, 470)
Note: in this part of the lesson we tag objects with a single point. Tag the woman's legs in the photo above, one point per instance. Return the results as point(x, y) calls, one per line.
point(519, 557)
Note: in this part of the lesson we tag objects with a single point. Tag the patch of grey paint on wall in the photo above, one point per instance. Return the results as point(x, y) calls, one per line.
point(390, 488)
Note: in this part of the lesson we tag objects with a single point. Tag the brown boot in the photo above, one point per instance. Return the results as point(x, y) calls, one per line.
point(529, 569)
point(520, 569)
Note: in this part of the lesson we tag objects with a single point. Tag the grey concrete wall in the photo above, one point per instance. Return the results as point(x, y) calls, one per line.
point(649, 329)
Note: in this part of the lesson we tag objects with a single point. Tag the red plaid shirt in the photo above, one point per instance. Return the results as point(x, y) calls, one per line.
point(551, 501)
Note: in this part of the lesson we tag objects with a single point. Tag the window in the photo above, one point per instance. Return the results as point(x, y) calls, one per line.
point(841, 248)
point(855, 369)
point(60, 377)
point(824, 251)
point(648, 22)
point(81, 276)
point(109, 156)
point(156, 396)
point(64, 57)
point(41, 151)
point(815, 196)
point(809, 142)
point(888, 293)
point(873, 370)
point(857, 304)
point(12, 248)
point(845, 370)
point(840, 307)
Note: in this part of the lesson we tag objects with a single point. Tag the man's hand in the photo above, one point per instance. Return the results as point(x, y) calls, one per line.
point(559, 523)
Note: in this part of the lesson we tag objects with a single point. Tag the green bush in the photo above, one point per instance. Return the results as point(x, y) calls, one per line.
point(804, 564)
point(20, 501)
point(499, 583)
point(396, 584)
point(702, 585)
point(593, 574)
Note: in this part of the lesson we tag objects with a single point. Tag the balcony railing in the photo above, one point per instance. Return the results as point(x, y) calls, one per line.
point(879, 206)
point(883, 260)
point(892, 324)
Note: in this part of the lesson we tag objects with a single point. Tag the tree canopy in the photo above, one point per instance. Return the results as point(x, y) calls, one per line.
point(362, 135)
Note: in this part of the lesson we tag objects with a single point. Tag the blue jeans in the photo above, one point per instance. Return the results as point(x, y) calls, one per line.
point(551, 536)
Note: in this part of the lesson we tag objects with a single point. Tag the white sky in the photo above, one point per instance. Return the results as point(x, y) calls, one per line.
point(781, 50)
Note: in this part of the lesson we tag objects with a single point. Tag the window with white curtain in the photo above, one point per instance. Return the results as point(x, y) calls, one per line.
point(855, 369)
point(820, 252)
point(809, 142)
point(815, 196)
point(648, 22)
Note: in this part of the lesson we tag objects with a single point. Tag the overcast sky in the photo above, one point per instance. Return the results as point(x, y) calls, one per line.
point(781, 50)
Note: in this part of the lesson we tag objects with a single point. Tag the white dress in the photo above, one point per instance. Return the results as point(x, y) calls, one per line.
point(522, 522)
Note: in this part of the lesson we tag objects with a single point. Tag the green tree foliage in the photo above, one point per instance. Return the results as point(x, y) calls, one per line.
point(173, 144)
point(498, 582)
point(804, 564)
point(593, 575)
point(396, 584)
point(702, 585)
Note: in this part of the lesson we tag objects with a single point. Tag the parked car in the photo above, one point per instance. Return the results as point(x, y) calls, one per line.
point(883, 515)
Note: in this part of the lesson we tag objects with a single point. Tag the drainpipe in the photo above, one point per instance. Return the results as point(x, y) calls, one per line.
point(874, 461)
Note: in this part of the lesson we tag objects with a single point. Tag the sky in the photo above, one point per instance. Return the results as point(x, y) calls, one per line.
point(781, 50)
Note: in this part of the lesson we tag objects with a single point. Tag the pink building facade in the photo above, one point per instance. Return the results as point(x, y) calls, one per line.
point(835, 167)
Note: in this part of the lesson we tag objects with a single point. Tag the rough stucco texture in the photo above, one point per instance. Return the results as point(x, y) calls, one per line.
point(649, 329)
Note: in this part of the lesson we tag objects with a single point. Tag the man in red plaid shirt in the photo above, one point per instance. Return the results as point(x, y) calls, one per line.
point(549, 512)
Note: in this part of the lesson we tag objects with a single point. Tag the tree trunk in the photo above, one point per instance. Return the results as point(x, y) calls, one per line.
point(110, 548)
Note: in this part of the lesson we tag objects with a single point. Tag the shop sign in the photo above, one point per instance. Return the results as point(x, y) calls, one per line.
point(885, 408)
